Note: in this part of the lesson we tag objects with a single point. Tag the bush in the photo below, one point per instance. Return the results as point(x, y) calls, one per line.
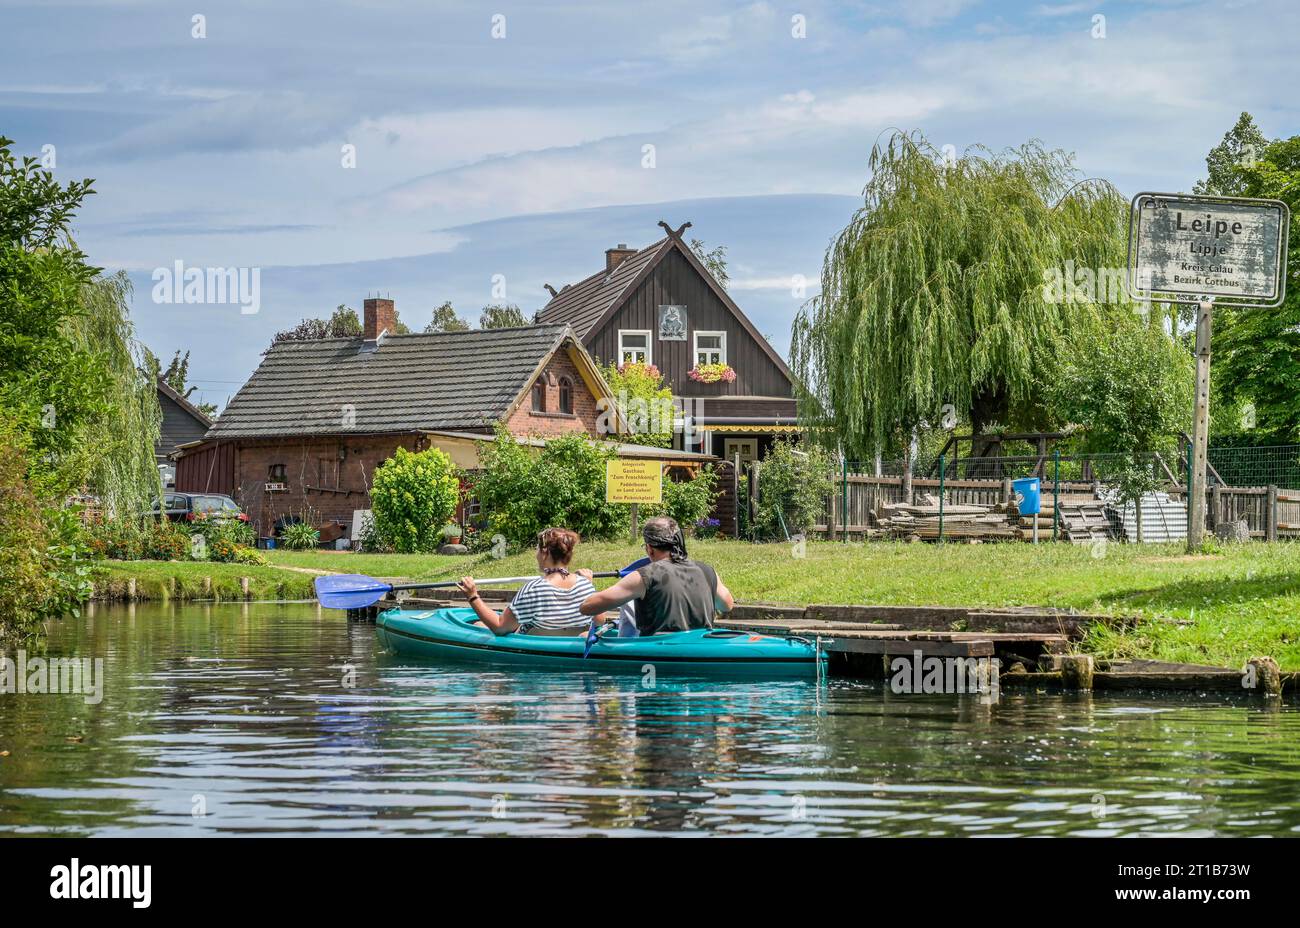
point(645, 402)
point(299, 536)
point(166, 541)
point(44, 568)
point(222, 538)
point(414, 495)
point(524, 490)
point(687, 501)
point(795, 483)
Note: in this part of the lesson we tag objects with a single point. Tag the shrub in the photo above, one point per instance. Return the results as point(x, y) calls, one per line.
point(524, 490)
point(645, 402)
point(413, 496)
point(222, 538)
point(44, 569)
point(299, 536)
point(166, 541)
point(795, 483)
point(687, 501)
point(707, 528)
point(250, 556)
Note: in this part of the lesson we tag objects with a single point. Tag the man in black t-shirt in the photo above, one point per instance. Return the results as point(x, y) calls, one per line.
point(672, 593)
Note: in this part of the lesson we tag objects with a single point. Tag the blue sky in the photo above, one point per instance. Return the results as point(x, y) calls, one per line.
point(522, 157)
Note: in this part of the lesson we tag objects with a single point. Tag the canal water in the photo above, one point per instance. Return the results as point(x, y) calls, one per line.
point(272, 719)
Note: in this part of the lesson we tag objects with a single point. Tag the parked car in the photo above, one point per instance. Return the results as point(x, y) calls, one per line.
point(184, 507)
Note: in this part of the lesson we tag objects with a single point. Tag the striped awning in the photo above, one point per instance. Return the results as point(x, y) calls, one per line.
point(747, 429)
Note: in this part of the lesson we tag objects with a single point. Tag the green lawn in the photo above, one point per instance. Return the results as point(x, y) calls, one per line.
point(1242, 602)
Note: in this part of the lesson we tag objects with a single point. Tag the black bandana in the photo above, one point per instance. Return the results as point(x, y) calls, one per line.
point(659, 537)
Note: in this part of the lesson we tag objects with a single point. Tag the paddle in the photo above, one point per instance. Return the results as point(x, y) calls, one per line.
point(355, 591)
point(591, 630)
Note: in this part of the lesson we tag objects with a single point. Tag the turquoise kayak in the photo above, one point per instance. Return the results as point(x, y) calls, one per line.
point(444, 634)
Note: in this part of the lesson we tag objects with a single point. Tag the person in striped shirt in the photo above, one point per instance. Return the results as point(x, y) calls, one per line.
point(547, 605)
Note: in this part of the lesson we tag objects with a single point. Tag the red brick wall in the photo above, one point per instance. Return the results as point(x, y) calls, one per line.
point(551, 423)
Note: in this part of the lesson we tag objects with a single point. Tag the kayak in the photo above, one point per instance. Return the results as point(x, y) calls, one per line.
point(452, 634)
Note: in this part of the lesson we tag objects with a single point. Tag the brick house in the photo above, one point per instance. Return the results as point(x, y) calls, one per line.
point(308, 429)
point(660, 305)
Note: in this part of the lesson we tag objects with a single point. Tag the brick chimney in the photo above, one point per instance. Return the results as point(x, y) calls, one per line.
point(616, 256)
point(380, 317)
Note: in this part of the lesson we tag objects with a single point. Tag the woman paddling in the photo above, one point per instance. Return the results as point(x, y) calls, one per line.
point(547, 605)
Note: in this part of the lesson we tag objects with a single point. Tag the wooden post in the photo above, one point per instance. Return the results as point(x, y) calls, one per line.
point(1267, 676)
point(636, 518)
point(1201, 428)
point(1216, 507)
point(1076, 671)
point(244, 583)
point(735, 491)
point(1270, 515)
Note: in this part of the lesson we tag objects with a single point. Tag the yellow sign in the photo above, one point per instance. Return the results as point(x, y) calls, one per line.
point(629, 481)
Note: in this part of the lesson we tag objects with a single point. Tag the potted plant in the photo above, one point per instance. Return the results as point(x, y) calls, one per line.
point(451, 533)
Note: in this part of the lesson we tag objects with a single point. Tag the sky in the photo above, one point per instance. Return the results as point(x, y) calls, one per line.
point(474, 152)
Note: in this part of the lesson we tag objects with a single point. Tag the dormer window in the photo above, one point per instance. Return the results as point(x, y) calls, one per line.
point(539, 395)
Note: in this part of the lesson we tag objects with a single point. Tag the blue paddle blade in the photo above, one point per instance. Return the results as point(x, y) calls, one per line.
point(349, 591)
point(635, 565)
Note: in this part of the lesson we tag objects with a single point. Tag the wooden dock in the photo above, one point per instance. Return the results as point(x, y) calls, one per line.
point(1034, 647)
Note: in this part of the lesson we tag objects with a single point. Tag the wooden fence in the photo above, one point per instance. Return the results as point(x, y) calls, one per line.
point(1271, 513)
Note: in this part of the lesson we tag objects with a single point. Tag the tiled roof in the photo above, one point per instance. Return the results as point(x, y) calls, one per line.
point(584, 303)
point(328, 386)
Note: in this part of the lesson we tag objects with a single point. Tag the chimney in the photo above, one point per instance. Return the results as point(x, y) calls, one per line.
point(616, 256)
point(380, 317)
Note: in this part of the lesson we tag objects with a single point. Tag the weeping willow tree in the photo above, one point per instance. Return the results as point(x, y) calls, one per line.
point(935, 293)
point(118, 444)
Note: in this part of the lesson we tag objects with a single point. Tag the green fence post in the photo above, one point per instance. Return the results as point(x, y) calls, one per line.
point(1056, 492)
point(844, 499)
point(942, 466)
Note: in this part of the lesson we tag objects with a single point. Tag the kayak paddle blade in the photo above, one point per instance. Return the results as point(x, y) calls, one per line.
point(349, 591)
point(635, 565)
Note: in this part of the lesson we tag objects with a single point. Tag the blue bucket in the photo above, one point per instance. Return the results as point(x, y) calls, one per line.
point(1027, 492)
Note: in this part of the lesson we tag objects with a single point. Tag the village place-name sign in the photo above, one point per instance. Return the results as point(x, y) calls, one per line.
point(1227, 249)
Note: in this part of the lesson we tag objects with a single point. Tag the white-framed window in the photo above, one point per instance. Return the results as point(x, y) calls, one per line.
point(634, 346)
point(710, 348)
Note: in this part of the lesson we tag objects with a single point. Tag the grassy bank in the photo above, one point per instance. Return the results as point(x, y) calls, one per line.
point(1238, 603)
point(187, 580)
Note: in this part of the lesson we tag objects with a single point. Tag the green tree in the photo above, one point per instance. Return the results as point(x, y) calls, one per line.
point(644, 402)
point(176, 376)
point(1128, 386)
point(69, 364)
point(1228, 162)
point(446, 320)
point(342, 323)
point(938, 292)
point(501, 316)
point(1257, 351)
point(714, 260)
point(413, 495)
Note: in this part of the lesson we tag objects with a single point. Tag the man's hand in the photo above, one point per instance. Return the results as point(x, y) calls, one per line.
point(466, 585)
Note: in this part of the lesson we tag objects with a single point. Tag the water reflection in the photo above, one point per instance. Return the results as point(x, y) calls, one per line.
point(275, 719)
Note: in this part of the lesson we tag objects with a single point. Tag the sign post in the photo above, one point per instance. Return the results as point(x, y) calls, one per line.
point(635, 482)
point(1226, 249)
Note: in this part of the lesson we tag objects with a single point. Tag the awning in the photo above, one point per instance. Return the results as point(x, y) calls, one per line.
point(747, 429)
